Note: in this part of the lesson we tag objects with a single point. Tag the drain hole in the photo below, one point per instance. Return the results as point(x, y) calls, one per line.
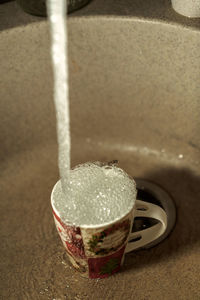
point(145, 195)
point(137, 238)
point(142, 208)
point(141, 223)
point(149, 192)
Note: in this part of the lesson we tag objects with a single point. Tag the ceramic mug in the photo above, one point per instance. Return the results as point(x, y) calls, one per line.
point(98, 251)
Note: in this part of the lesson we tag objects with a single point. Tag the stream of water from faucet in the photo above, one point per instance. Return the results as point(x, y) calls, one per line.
point(59, 48)
point(91, 193)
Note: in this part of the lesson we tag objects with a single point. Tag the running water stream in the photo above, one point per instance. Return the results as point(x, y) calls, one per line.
point(92, 193)
point(59, 49)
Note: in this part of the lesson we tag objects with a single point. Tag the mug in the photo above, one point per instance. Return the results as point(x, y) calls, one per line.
point(99, 251)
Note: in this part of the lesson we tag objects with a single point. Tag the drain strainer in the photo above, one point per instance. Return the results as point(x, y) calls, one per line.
point(150, 192)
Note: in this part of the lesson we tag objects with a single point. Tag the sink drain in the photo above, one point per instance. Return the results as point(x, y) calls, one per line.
point(150, 192)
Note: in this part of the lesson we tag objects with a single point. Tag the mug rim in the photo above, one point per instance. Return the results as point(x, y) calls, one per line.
point(89, 226)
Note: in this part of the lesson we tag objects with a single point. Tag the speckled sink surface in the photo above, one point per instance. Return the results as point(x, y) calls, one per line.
point(134, 91)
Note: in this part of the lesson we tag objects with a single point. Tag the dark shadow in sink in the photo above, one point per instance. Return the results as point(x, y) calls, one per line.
point(160, 10)
point(184, 186)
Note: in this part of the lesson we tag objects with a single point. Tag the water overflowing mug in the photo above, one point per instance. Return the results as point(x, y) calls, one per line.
point(98, 251)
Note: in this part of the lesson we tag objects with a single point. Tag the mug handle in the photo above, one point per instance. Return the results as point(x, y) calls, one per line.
point(144, 237)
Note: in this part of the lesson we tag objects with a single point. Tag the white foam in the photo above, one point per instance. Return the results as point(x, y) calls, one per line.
point(95, 195)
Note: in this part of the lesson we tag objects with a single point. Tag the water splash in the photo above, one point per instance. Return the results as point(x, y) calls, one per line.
point(58, 27)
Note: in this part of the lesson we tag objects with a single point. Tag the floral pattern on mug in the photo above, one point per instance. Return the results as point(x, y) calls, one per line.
point(106, 240)
point(101, 267)
point(71, 238)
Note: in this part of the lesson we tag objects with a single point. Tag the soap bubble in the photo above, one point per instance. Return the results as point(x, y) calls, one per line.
point(96, 194)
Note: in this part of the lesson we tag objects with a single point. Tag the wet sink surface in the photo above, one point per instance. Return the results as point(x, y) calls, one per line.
point(124, 105)
point(34, 261)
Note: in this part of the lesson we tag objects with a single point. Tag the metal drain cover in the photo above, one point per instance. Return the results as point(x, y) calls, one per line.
point(150, 192)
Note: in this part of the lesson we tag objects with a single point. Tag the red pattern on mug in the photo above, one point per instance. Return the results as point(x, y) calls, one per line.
point(101, 267)
point(71, 237)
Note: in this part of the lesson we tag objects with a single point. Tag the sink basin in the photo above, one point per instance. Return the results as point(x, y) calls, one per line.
point(134, 92)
